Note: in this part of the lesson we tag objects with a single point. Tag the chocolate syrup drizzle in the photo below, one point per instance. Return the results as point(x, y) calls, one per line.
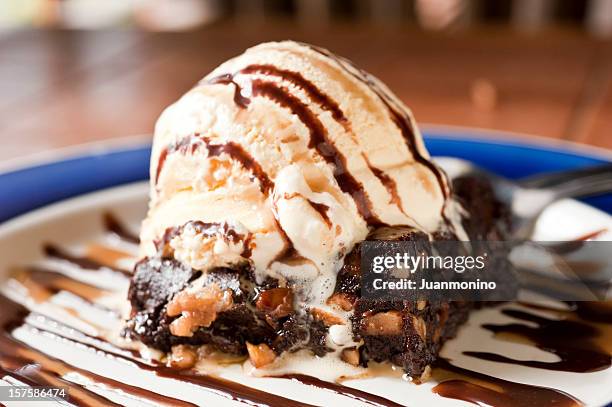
point(322, 210)
point(34, 370)
point(33, 367)
point(208, 229)
point(84, 263)
point(319, 139)
point(52, 282)
point(571, 340)
point(481, 389)
point(52, 366)
point(388, 183)
point(324, 146)
point(400, 118)
point(192, 143)
point(330, 105)
point(313, 92)
point(228, 79)
point(239, 154)
point(115, 227)
point(350, 392)
point(318, 134)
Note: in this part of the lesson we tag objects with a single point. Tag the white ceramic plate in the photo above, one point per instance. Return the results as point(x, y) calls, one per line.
point(78, 220)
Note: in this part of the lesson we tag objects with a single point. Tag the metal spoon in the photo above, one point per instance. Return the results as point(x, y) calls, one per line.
point(527, 198)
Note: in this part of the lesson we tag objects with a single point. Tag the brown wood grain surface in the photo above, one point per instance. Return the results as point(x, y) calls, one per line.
point(61, 88)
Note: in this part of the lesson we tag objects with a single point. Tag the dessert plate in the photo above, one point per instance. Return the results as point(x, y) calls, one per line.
point(71, 196)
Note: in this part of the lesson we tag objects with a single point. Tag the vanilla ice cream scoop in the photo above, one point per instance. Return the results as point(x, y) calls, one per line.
point(298, 155)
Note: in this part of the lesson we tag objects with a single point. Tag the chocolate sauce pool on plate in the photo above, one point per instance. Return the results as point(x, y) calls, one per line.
point(594, 311)
point(572, 341)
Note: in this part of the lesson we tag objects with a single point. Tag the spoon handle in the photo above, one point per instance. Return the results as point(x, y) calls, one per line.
point(574, 183)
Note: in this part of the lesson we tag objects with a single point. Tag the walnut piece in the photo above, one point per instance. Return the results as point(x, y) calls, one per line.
point(383, 323)
point(419, 326)
point(182, 357)
point(342, 301)
point(327, 318)
point(425, 376)
point(197, 308)
point(350, 356)
point(276, 302)
point(260, 355)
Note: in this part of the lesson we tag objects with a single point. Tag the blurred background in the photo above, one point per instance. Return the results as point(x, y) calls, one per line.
point(76, 71)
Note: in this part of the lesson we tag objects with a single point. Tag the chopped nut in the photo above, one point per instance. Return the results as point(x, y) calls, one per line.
point(425, 376)
point(327, 318)
point(276, 302)
point(419, 326)
point(260, 355)
point(198, 308)
point(350, 356)
point(421, 305)
point(209, 353)
point(383, 323)
point(292, 138)
point(167, 251)
point(182, 357)
point(342, 301)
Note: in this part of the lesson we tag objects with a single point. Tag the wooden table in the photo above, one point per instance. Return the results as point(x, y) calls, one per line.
point(60, 88)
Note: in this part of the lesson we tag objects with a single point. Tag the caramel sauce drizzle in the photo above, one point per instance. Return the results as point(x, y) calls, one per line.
point(83, 262)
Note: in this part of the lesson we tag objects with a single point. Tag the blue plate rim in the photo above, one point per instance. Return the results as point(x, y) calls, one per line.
point(429, 130)
point(514, 139)
point(23, 192)
point(55, 155)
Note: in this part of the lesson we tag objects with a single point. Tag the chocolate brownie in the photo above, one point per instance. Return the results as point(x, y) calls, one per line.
point(262, 320)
